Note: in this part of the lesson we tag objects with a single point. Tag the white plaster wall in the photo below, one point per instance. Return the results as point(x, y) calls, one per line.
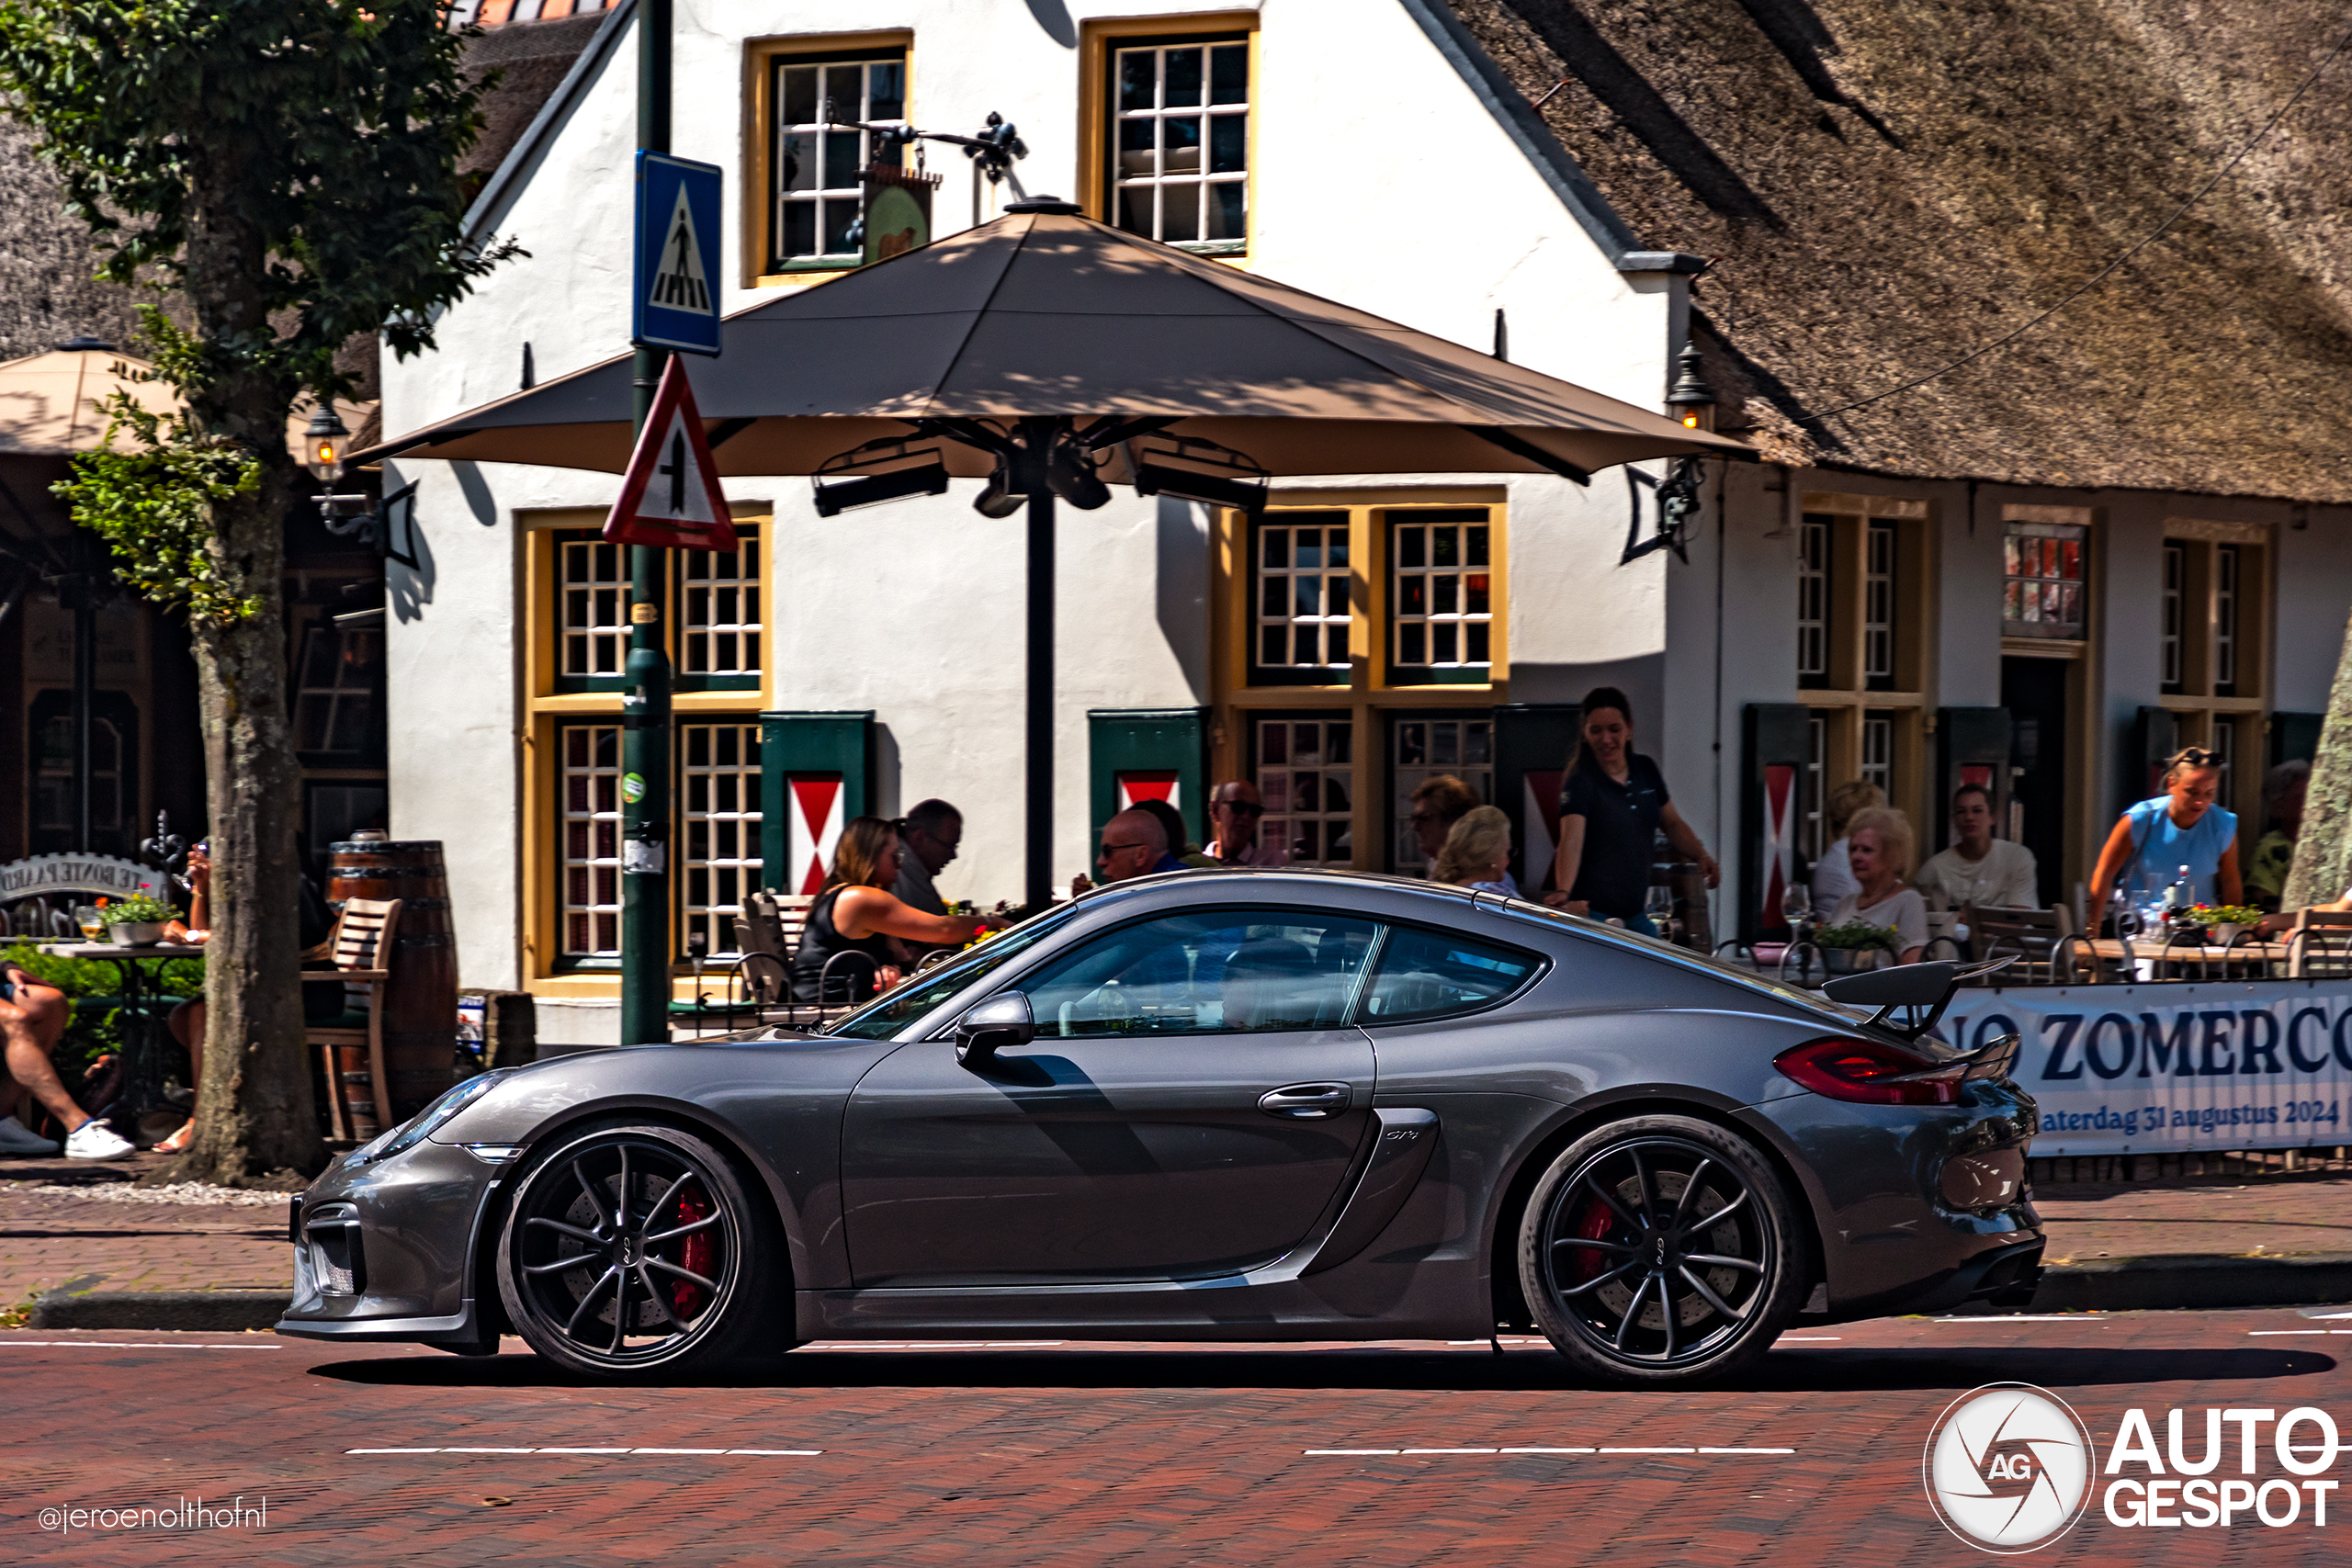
point(2313, 582)
point(916, 610)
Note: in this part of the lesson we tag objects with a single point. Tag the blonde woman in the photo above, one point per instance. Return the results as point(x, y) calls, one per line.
point(858, 913)
point(2183, 826)
point(1477, 853)
point(1879, 846)
point(1832, 880)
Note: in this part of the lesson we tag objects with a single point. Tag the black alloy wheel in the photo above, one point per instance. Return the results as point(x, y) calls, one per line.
point(1660, 1250)
point(634, 1248)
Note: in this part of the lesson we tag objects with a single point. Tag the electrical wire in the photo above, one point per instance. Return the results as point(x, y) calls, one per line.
point(2112, 268)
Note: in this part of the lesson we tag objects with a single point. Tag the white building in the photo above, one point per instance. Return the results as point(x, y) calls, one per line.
point(1840, 610)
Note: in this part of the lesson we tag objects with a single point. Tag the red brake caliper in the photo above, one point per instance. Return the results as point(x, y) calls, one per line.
point(1592, 1226)
point(697, 1252)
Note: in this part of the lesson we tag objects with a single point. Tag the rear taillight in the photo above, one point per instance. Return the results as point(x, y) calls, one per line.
point(1868, 1073)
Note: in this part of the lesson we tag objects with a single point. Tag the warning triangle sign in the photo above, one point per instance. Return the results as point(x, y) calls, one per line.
point(680, 280)
point(669, 497)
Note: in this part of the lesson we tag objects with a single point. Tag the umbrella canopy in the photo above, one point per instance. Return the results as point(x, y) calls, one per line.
point(1048, 313)
point(49, 402)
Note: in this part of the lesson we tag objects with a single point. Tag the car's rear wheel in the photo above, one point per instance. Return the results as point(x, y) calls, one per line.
point(1661, 1250)
point(635, 1248)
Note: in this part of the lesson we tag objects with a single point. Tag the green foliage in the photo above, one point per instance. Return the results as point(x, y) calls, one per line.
point(1855, 934)
point(153, 504)
point(137, 908)
point(95, 1029)
point(327, 131)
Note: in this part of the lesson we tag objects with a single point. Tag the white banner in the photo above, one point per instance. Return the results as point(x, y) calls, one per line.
point(2168, 1069)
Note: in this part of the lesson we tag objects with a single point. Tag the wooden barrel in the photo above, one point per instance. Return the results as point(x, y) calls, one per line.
point(421, 997)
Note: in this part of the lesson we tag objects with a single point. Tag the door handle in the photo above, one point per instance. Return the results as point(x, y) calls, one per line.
point(1306, 1101)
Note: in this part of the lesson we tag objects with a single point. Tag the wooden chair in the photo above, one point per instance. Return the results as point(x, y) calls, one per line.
point(2036, 937)
point(362, 948)
point(2321, 945)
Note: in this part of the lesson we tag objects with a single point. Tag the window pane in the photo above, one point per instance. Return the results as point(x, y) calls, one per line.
point(1138, 159)
point(844, 93)
point(1139, 80)
point(1423, 974)
point(1184, 78)
point(840, 159)
point(1228, 135)
point(1179, 145)
point(1213, 972)
point(1229, 73)
point(886, 86)
point(799, 229)
point(838, 215)
point(1228, 216)
point(1179, 212)
point(799, 94)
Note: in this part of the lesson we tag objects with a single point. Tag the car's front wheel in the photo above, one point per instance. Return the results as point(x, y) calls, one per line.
point(635, 1248)
point(1661, 1250)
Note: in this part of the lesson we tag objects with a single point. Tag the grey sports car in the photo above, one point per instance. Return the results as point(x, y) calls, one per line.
point(1247, 1105)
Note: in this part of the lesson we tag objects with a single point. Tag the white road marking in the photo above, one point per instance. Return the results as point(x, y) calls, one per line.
point(126, 1345)
point(763, 1454)
point(2275, 1333)
point(946, 1344)
point(1361, 1453)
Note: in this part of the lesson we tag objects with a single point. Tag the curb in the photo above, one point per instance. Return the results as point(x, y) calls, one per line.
point(2184, 1282)
point(2194, 1281)
point(75, 1304)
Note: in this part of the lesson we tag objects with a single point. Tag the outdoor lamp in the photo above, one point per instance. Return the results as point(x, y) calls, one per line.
point(1201, 471)
point(1690, 400)
point(1070, 473)
point(322, 445)
point(841, 487)
point(999, 498)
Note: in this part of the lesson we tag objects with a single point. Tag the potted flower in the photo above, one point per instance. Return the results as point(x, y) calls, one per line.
point(139, 920)
point(1854, 945)
point(2223, 922)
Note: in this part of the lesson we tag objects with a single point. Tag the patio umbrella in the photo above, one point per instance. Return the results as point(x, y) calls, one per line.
point(1054, 355)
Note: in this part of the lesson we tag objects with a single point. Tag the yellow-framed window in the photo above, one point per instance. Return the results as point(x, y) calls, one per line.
point(578, 606)
point(809, 98)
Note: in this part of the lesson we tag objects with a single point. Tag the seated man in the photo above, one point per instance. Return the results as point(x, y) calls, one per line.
point(1235, 810)
point(1981, 869)
point(1133, 844)
point(32, 1018)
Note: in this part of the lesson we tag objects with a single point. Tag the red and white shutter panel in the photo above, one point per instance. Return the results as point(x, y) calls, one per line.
point(813, 805)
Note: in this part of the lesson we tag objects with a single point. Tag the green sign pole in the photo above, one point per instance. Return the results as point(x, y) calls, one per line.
point(645, 734)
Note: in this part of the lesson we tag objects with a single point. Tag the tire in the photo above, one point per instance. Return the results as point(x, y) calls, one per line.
point(1633, 1289)
point(679, 1268)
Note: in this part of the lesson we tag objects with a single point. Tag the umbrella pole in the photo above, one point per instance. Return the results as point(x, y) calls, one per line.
point(1039, 836)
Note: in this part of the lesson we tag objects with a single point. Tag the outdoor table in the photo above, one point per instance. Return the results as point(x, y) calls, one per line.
point(143, 1037)
point(2146, 957)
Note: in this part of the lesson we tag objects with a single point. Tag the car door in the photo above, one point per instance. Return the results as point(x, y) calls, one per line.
point(1134, 1138)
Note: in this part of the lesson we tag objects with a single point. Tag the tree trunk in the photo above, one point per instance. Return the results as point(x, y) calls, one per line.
point(2323, 868)
point(256, 1122)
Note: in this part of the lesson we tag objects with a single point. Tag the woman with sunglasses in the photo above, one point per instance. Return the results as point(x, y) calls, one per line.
point(2181, 827)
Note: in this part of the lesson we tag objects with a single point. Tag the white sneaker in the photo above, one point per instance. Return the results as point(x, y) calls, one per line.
point(15, 1138)
point(94, 1140)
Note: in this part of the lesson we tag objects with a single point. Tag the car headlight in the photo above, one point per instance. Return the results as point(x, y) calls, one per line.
point(421, 1126)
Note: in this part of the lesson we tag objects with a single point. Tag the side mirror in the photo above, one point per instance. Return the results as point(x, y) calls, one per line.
point(1002, 1022)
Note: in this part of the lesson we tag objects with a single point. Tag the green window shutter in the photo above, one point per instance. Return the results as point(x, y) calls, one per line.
point(1151, 749)
point(816, 772)
point(1532, 744)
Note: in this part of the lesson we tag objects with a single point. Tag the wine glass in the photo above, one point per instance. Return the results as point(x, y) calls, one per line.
point(1658, 905)
point(86, 916)
point(1796, 903)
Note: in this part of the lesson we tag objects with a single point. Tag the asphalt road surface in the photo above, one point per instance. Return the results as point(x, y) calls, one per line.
point(1086, 1454)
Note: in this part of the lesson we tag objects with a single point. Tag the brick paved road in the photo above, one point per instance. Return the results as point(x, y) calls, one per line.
point(1086, 1455)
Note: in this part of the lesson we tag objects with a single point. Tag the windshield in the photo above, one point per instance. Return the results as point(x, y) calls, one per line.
point(893, 1011)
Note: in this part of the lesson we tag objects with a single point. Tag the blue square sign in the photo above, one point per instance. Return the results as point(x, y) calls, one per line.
point(676, 292)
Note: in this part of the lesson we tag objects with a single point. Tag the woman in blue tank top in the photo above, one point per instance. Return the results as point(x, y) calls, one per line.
point(2181, 827)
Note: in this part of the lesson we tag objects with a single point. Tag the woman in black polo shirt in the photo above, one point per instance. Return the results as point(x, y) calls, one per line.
point(1611, 804)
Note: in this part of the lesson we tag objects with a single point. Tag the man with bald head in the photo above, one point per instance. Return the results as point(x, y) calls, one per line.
point(1133, 844)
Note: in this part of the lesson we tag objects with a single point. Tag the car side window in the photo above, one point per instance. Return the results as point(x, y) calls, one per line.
point(1426, 974)
point(1204, 971)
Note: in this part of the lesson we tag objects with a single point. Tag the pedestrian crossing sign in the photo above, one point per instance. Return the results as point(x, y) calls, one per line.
point(676, 297)
point(669, 497)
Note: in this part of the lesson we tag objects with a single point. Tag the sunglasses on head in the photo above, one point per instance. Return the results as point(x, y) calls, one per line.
point(2196, 757)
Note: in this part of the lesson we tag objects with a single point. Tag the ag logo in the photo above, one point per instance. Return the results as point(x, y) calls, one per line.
point(2008, 1468)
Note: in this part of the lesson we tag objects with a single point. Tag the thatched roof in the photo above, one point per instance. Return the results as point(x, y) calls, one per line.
point(1885, 184)
point(46, 257)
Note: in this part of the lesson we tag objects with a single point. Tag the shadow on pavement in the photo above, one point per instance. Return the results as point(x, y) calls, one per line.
point(1958, 1367)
